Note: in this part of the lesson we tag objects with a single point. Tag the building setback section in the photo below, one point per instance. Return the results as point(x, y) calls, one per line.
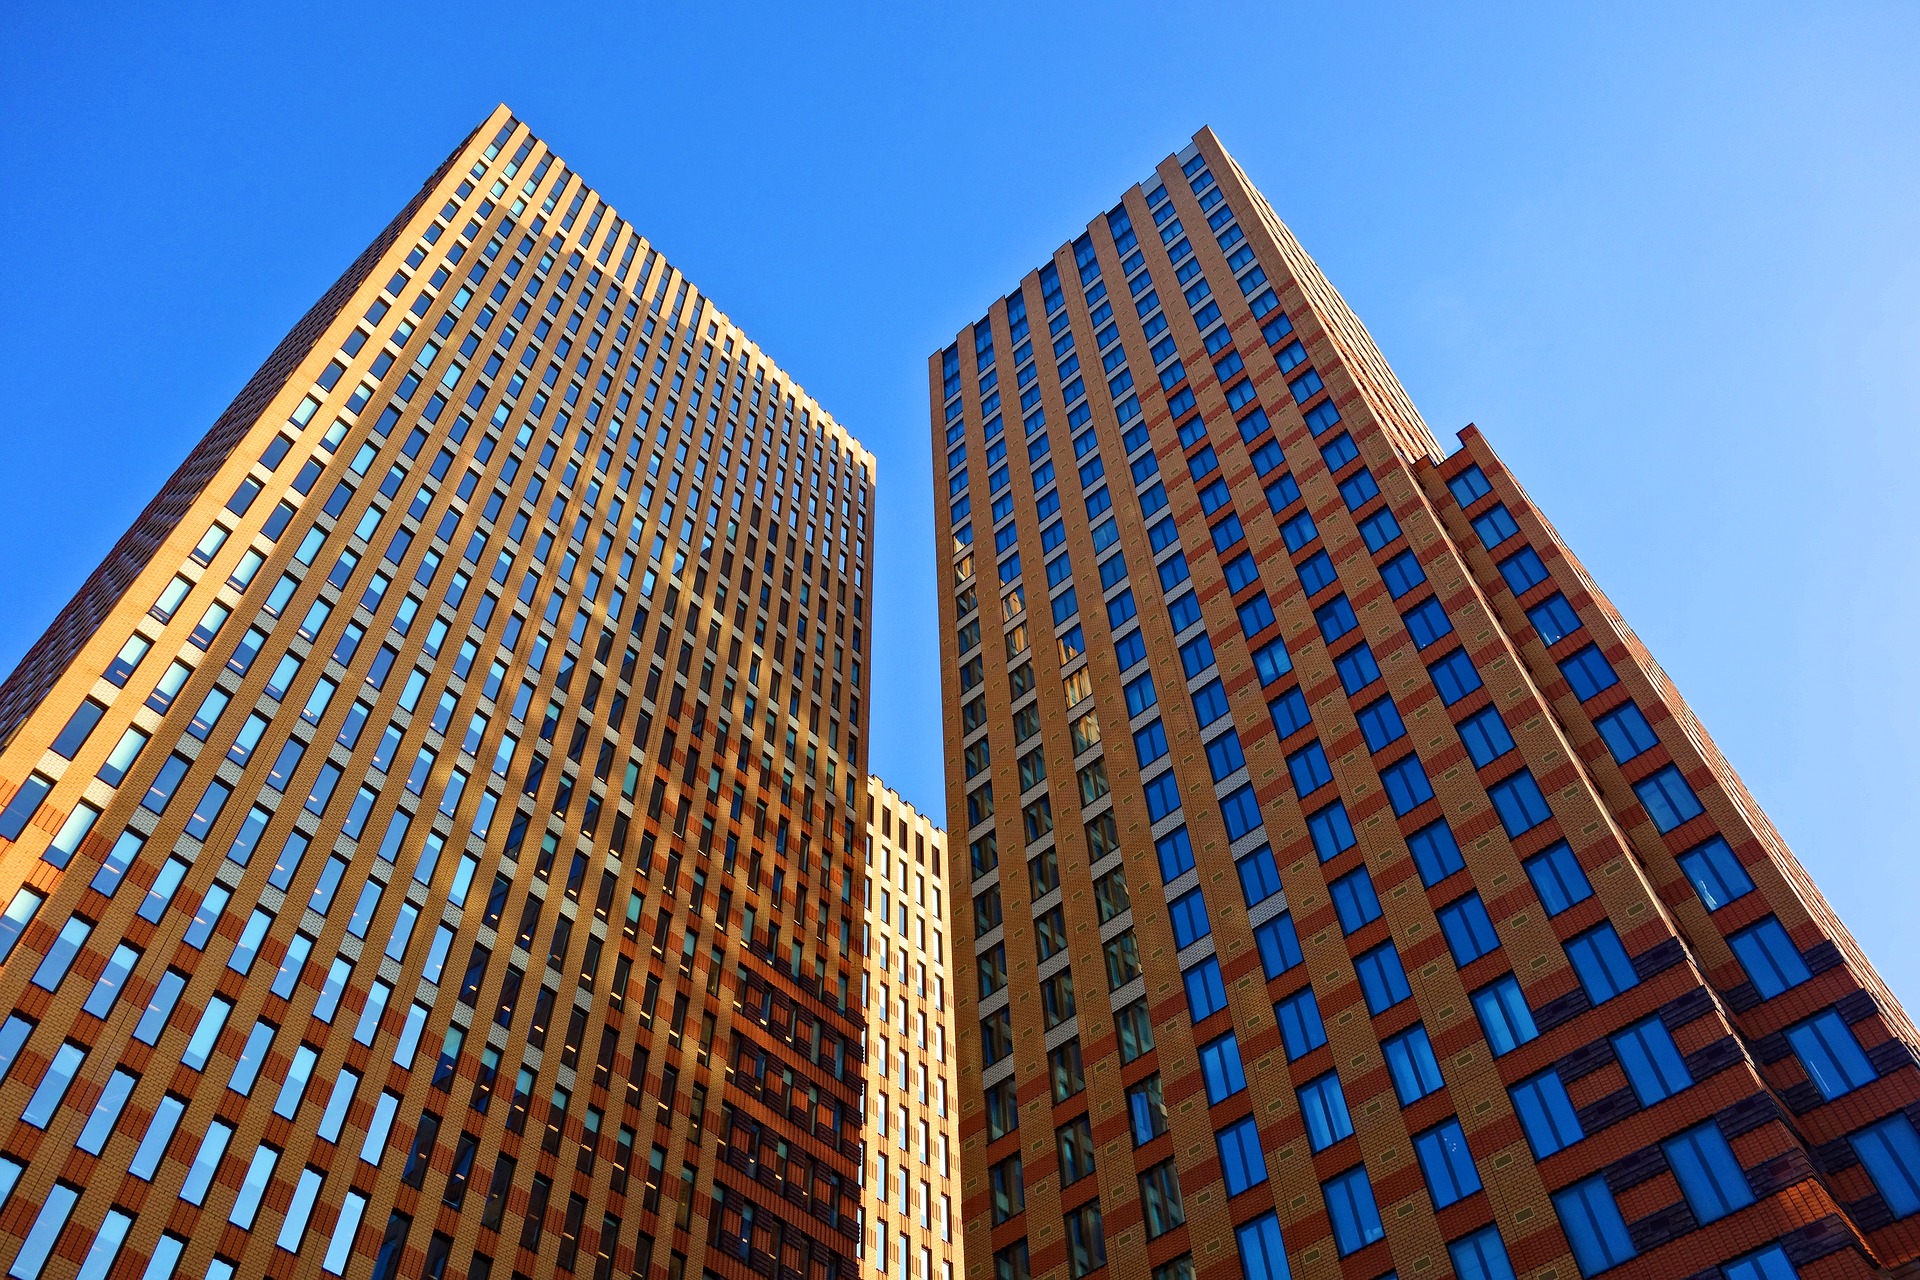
point(1350, 890)
point(428, 843)
point(913, 1130)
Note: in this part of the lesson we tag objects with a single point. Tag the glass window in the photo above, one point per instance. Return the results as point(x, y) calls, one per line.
point(1300, 1025)
point(1221, 1068)
point(1263, 1253)
point(1831, 1055)
point(1354, 900)
point(1715, 873)
point(1505, 1018)
point(46, 1229)
point(53, 1085)
point(1588, 672)
point(1410, 1061)
point(1241, 1160)
point(1480, 1256)
point(1769, 1263)
point(1356, 1220)
point(1382, 978)
point(1518, 801)
point(1891, 1152)
point(1772, 962)
point(1279, 945)
point(1469, 931)
point(1709, 1175)
point(1189, 913)
point(1667, 798)
point(1651, 1060)
point(1626, 732)
point(1146, 1110)
point(1557, 878)
point(1447, 1163)
point(1546, 1113)
point(1593, 1225)
point(1206, 991)
point(1323, 1107)
point(1601, 960)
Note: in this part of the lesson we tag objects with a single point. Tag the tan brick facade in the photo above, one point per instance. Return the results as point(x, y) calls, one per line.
point(1434, 956)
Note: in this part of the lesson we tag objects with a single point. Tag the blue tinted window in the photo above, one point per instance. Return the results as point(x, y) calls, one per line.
point(1339, 452)
point(1469, 485)
point(1480, 1256)
point(1242, 1163)
point(1256, 615)
point(1130, 649)
point(1410, 1061)
point(1323, 1108)
point(1335, 618)
point(1271, 661)
point(1447, 1164)
point(1354, 900)
point(1163, 797)
point(1831, 1055)
point(1651, 1061)
point(1593, 1226)
point(1332, 832)
point(1402, 573)
point(1379, 529)
point(1259, 877)
point(1588, 672)
point(1382, 979)
point(1769, 1263)
point(1149, 743)
point(1224, 755)
point(1220, 1066)
point(1891, 1152)
point(1469, 931)
point(1715, 873)
point(1772, 962)
point(1495, 526)
point(1708, 1174)
point(1554, 619)
point(1241, 812)
point(1357, 669)
point(1546, 1114)
point(1316, 573)
point(1196, 655)
point(1358, 489)
point(1557, 878)
point(1504, 1016)
point(1206, 992)
point(1454, 676)
point(1435, 852)
point(1190, 924)
point(1279, 945)
point(1380, 722)
point(1300, 1025)
point(1523, 570)
point(1601, 961)
point(1289, 712)
point(1626, 732)
point(1299, 530)
point(1667, 798)
point(1486, 736)
point(1428, 621)
point(1309, 768)
point(1406, 784)
point(1209, 702)
point(1175, 851)
point(1263, 1253)
point(1518, 801)
point(1141, 695)
point(1356, 1220)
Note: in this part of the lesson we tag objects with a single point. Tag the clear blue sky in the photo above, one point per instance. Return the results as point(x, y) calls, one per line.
point(1668, 257)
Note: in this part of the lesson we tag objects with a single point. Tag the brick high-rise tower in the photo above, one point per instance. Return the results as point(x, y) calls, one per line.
point(429, 842)
point(1351, 892)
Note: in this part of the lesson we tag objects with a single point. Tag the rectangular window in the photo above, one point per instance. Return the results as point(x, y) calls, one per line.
point(1323, 1108)
point(1505, 1018)
point(1350, 1205)
point(1206, 991)
point(1410, 1061)
point(1447, 1163)
point(1300, 1025)
point(1667, 798)
point(1546, 1113)
point(1772, 962)
point(1831, 1055)
point(1651, 1061)
point(1601, 961)
point(1557, 878)
point(1626, 732)
point(1715, 873)
point(1382, 978)
point(1160, 1202)
point(1354, 900)
point(1146, 1110)
point(1279, 945)
point(1242, 1163)
point(1890, 1150)
point(1709, 1176)
point(1221, 1068)
point(1468, 929)
point(1594, 1227)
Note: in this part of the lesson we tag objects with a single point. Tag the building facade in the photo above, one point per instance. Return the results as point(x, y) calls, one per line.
point(913, 1126)
point(429, 839)
point(1347, 890)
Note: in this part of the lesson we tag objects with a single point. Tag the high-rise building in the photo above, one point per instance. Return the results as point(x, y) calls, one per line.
point(1351, 892)
point(913, 1126)
point(429, 841)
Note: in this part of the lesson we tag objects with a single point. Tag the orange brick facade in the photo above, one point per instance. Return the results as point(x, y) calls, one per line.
point(431, 840)
point(1343, 889)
